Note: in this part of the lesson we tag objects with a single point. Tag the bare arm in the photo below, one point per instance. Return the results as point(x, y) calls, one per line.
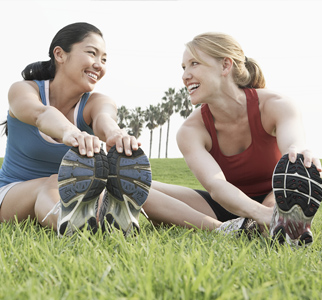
point(103, 112)
point(194, 143)
point(285, 121)
point(25, 105)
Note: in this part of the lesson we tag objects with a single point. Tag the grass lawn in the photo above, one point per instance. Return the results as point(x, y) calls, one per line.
point(160, 263)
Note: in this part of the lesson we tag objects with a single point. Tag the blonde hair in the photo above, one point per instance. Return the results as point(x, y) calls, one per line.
point(246, 71)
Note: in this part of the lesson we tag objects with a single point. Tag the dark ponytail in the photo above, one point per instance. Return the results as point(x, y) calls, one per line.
point(5, 127)
point(41, 70)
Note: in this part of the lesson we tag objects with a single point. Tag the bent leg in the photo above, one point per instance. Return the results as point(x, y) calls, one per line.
point(34, 199)
point(269, 201)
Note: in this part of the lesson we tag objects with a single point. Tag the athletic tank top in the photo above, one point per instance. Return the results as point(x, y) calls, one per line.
point(28, 154)
point(251, 171)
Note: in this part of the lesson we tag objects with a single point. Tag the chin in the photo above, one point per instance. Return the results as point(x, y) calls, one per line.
point(90, 87)
point(194, 101)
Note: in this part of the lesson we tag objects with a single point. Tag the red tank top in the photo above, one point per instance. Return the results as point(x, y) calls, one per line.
point(251, 171)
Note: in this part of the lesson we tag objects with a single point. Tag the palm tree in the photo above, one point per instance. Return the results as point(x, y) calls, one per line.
point(168, 106)
point(183, 99)
point(123, 116)
point(136, 121)
point(161, 119)
point(150, 117)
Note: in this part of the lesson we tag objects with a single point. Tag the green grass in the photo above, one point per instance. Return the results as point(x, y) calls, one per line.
point(174, 171)
point(160, 263)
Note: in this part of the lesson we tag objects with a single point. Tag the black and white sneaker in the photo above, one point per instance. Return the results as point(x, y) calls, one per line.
point(81, 180)
point(127, 187)
point(239, 226)
point(298, 193)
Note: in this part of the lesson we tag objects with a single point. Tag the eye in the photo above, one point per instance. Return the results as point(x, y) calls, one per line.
point(91, 52)
point(194, 63)
point(104, 60)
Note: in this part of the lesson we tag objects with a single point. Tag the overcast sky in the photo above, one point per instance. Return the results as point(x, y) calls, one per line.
point(145, 41)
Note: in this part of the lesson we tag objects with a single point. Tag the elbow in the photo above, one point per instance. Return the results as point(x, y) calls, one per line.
point(40, 116)
point(216, 189)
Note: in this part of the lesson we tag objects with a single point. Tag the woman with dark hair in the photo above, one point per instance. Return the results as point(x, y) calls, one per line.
point(55, 126)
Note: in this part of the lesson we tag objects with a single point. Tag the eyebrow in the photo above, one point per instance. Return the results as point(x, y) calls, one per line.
point(96, 49)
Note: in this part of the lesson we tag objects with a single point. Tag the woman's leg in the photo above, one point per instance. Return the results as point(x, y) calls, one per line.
point(34, 199)
point(176, 205)
point(186, 195)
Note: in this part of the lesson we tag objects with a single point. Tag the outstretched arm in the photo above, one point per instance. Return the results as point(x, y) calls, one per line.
point(287, 126)
point(103, 113)
point(26, 106)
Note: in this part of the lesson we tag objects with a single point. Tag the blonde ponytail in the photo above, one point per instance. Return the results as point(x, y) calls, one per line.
point(246, 71)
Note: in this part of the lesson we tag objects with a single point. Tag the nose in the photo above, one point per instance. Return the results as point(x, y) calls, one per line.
point(186, 75)
point(98, 65)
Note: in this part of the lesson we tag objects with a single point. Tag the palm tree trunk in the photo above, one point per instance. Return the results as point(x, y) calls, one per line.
point(167, 142)
point(160, 142)
point(151, 134)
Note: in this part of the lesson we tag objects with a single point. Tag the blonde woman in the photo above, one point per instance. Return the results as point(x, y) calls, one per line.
point(232, 144)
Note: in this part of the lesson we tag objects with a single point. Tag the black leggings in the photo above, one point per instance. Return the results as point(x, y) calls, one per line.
point(221, 213)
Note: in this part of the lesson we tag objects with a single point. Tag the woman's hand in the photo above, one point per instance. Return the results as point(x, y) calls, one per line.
point(308, 158)
point(87, 144)
point(123, 142)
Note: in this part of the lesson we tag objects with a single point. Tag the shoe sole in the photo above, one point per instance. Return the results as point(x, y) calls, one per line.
point(128, 187)
point(298, 193)
point(81, 180)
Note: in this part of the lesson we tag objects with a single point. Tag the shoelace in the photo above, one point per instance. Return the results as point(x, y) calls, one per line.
point(55, 210)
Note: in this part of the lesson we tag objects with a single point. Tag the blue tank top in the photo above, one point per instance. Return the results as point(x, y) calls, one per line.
point(28, 155)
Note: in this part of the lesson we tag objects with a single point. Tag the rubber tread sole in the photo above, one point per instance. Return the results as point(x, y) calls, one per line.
point(298, 193)
point(130, 176)
point(294, 184)
point(81, 180)
point(127, 188)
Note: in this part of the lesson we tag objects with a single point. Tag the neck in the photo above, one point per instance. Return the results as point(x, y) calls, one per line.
point(230, 105)
point(62, 95)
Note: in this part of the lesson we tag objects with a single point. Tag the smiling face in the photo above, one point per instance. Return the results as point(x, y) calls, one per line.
point(202, 76)
point(85, 64)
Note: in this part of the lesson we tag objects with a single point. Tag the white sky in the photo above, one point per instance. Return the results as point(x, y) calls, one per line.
point(145, 41)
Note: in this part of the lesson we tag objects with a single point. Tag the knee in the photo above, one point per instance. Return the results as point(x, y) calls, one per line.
point(49, 183)
point(53, 180)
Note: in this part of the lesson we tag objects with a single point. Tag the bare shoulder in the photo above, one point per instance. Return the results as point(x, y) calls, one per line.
point(272, 102)
point(98, 102)
point(98, 97)
point(269, 97)
point(192, 123)
point(193, 133)
point(275, 107)
point(25, 90)
point(23, 86)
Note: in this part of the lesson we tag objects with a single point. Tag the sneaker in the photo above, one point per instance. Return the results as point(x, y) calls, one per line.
point(127, 188)
point(298, 193)
point(239, 226)
point(81, 180)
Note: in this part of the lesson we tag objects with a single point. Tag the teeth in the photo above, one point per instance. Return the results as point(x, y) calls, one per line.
point(92, 75)
point(193, 86)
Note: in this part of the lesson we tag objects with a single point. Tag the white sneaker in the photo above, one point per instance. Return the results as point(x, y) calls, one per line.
point(238, 226)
